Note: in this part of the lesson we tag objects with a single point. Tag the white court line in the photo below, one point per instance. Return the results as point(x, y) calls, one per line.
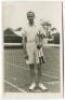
point(14, 86)
point(21, 90)
point(52, 82)
point(44, 74)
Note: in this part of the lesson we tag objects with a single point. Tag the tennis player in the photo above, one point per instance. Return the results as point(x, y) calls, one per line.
point(32, 40)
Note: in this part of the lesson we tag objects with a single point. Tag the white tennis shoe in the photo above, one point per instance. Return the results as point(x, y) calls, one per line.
point(32, 86)
point(41, 86)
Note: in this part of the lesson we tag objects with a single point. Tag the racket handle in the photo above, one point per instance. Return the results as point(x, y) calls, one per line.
point(41, 60)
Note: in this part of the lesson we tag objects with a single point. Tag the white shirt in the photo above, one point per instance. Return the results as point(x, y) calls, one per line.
point(30, 32)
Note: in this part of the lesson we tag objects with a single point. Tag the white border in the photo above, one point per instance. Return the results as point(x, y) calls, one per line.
point(23, 96)
point(1, 54)
point(29, 0)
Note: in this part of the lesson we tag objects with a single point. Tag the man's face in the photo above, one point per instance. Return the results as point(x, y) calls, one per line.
point(30, 16)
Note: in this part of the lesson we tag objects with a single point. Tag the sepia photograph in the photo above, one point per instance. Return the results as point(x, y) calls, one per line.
point(32, 43)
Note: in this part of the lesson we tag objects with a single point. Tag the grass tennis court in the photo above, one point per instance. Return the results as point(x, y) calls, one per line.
point(16, 72)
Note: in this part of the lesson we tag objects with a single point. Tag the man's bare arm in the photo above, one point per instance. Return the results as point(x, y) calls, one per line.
point(24, 47)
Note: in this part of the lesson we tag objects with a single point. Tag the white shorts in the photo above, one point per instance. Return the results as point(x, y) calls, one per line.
point(33, 53)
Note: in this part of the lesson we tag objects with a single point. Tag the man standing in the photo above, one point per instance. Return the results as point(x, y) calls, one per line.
point(31, 49)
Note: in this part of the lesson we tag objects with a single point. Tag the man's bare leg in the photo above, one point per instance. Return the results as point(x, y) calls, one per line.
point(32, 77)
point(39, 74)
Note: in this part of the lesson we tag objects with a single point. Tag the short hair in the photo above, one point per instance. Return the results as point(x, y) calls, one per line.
point(30, 12)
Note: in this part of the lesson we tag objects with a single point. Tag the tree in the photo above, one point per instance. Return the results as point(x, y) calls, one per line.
point(47, 26)
point(56, 35)
point(53, 29)
point(11, 37)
